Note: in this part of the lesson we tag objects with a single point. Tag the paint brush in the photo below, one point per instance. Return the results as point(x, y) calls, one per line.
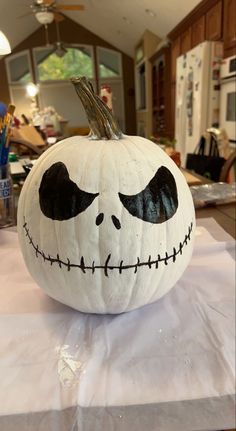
point(5, 134)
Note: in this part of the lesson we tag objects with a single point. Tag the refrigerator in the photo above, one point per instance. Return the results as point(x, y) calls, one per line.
point(197, 95)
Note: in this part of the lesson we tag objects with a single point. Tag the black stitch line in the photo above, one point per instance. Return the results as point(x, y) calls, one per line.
point(93, 267)
point(120, 267)
point(166, 259)
point(188, 233)
point(106, 267)
point(82, 265)
point(149, 262)
point(58, 259)
point(180, 248)
point(174, 254)
point(136, 266)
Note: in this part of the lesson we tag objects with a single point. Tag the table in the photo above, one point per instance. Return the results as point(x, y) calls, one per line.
point(194, 179)
point(224, 215)
point(62, 370)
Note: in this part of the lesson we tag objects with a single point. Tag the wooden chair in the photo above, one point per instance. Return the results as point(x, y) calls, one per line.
point(78, 131)
point(227, 166)
point(25, 148)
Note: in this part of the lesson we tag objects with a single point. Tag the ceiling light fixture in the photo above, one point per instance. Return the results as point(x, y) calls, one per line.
point(4, 44)
point(45, 18)
point(150, 12)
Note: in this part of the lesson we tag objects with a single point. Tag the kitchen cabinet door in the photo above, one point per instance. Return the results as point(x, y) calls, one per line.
point(185, 41)
point(172, 111)
point(198, 31)
point(175, 53)
point(229, 24)
point(214, 22)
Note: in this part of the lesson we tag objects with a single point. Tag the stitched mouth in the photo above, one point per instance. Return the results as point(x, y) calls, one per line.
point(150, 263)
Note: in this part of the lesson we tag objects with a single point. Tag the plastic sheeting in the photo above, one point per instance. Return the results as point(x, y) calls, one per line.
point(167, 366)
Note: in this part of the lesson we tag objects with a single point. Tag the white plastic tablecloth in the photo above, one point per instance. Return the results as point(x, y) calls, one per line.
point(166, 366)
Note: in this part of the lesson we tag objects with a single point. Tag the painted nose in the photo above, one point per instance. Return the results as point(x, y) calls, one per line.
point(116, 222)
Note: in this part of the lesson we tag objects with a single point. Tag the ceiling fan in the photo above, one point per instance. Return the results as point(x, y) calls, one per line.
point(46, 11)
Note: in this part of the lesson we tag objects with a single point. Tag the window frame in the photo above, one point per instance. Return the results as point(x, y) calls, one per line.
point(118, 53)
point(69, 45)
point(14, 56)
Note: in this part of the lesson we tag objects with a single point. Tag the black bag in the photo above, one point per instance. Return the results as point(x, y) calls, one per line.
point(208, 166)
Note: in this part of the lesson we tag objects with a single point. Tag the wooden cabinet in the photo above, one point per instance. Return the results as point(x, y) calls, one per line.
point(214, 22)
point(172, 109)
point(175, 53)
point(185, 41)
point(230, 26)
point(198, 31)
point(161, 93)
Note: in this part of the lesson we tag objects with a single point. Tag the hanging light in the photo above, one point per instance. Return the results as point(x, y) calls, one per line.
point(32, 89)
point(60, 50)
point(4, 44)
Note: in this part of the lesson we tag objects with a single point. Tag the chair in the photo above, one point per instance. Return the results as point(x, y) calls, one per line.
point(224, 173)
point(25, 147)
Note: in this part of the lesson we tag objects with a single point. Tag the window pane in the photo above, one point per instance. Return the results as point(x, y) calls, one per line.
point(19, 69)
point(75, 61)
point(231, 107)
point(109, 63)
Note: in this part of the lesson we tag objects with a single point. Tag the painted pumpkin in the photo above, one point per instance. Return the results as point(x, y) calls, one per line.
point(106, 222)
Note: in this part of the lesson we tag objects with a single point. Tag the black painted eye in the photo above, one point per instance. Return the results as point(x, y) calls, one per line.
point(158, 202)
point(59, 197)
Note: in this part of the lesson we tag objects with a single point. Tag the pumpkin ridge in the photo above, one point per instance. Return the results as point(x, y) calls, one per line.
point(149, 263)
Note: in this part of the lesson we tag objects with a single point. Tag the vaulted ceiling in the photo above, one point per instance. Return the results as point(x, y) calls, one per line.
point(120, 22)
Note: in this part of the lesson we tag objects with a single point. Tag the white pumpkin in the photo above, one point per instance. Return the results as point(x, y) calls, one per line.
point(105, 222)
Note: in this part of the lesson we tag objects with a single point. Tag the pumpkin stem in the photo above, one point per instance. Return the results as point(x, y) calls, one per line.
point(101, 121)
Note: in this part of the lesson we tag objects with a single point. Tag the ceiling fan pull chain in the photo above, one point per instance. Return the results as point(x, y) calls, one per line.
point(58, 32)
point(46, 34)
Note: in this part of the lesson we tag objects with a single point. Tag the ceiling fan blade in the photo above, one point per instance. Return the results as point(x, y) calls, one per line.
point(58, 17)
point(48, 2)
point(69, 7)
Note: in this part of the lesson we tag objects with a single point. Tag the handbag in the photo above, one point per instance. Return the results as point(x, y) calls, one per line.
point(208, 165)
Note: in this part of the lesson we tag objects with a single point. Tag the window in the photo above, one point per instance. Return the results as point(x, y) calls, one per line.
point(231, 107)
point(75, 61)
point(18, 68)
point(139, 54)
point(109, 63)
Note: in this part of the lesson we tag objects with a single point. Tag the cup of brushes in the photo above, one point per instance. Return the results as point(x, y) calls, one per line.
point(6, 192)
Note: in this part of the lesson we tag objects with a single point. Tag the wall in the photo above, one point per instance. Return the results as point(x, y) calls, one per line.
point(71, 32)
